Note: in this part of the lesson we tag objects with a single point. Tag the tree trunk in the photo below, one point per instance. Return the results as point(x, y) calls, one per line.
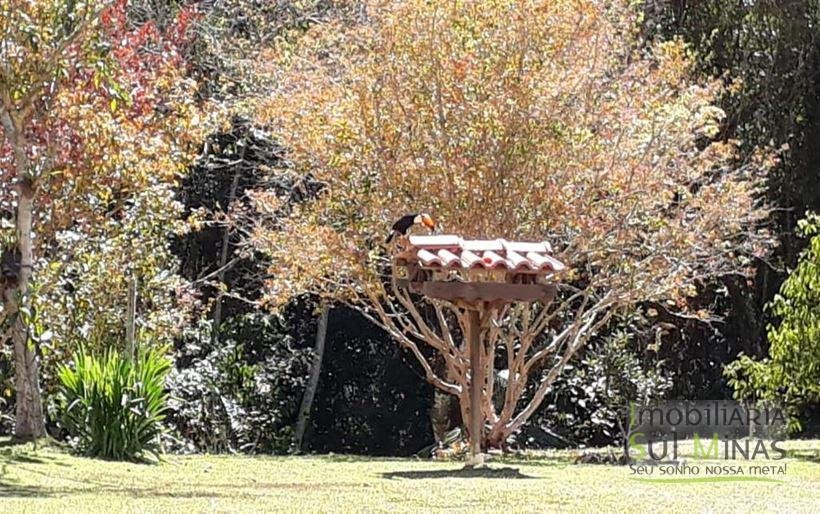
point(313, 381)
point(30, 423)
point(223, 257)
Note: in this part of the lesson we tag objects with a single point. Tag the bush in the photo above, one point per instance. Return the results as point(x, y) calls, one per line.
point(6, 391)
point(790, 374)
point(590, 398)
point(112, 406)
point(240, 392)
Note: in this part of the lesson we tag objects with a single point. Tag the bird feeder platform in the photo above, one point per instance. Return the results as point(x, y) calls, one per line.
point(495, 271)
point(477, 276)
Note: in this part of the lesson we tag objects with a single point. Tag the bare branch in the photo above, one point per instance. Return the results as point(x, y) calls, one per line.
point(388, 324)
point(580, 338)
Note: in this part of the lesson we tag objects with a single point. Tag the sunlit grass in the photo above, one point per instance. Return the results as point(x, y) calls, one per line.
point(48, 480)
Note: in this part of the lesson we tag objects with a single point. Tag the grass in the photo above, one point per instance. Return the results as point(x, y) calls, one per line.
point(48, 480)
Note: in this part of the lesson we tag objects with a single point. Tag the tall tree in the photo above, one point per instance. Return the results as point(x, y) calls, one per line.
point(41, 43)
point(91, 112)
point(529, 120)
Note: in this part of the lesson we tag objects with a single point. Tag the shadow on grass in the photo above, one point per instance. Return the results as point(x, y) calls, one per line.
point(554, 462)
point(807, 455)
point(13, 457)
point(21, 491)
point(30, 444)
point(23, 458)
point(458, 473)
point(15, 490)
point(12, 488)
point(342, 457)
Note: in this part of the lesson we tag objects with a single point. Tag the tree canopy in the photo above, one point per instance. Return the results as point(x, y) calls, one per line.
point(791, 372)
point(542, 121)
point(533, 120)
point(92, 108)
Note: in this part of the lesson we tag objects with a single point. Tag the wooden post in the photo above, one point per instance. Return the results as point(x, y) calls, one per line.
point(131, 320)
point(476, 422)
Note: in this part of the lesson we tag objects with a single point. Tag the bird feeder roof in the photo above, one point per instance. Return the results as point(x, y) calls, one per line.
point(453, 252)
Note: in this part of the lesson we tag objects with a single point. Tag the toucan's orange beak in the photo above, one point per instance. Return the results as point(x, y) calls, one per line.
point(428, 222)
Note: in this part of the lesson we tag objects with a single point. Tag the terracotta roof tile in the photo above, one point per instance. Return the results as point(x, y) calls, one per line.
point(450, 251)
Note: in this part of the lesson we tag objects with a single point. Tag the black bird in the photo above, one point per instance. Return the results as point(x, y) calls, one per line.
point(404, 223)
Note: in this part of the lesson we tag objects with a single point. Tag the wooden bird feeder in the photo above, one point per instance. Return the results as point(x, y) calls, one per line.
point(477, 276)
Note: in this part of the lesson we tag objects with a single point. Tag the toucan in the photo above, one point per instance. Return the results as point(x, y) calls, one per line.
point(403, 224)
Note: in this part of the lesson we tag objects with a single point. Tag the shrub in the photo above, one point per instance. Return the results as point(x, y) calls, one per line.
point(112, 406)
point(790, 374)
point(589, 400)
point(240, 392)
point(6, 391)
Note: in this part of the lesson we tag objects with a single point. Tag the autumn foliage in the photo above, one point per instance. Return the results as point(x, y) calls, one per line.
point(533, 120)
point(117, 114)
point(93, 108)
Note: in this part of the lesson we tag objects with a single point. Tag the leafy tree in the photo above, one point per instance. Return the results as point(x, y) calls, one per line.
point(791, 372)
point(80, 298)
point(525, 120)
point(43, 42)
point(234, 36)
point(92, 109)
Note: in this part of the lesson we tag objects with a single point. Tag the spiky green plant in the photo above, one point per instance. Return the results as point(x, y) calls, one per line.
point(113, 406)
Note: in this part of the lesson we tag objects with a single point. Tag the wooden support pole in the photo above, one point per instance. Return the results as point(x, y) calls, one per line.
point(131, 320)
point(476, 422)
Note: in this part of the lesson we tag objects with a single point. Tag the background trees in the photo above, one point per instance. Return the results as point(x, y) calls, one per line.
point(769, 51)
point(111, 139)
point(791, 373)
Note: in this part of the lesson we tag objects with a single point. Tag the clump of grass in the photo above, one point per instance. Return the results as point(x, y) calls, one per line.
point(112, 406)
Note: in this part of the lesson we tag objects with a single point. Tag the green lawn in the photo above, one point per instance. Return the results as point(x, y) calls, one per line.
point(46, 480)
